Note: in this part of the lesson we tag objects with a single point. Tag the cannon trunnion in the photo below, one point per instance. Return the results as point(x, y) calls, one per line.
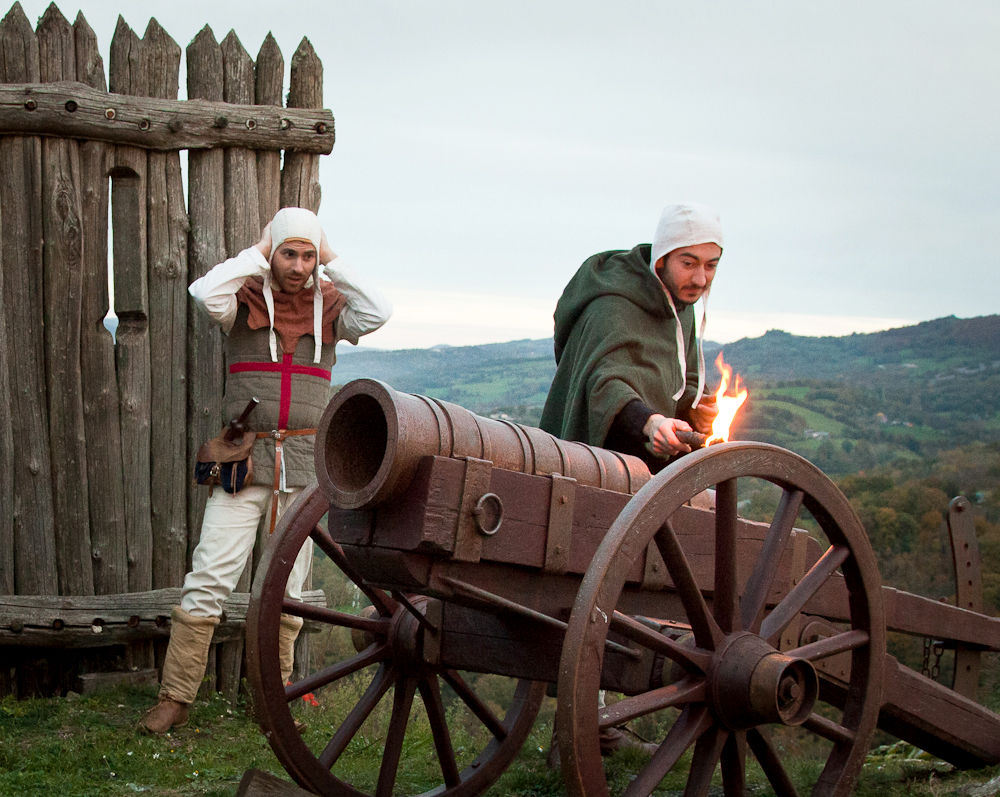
point(486, 547)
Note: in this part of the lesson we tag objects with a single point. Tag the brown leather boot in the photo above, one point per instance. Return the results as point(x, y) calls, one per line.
point(614, 739)
point(166, 714)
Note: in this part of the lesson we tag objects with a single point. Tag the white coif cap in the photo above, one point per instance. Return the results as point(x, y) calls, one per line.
point(301, 224)
point(295, 223)
point(687, 224)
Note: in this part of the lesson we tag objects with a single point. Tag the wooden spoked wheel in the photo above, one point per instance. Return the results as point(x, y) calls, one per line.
point(387, 638)
point(733, 681)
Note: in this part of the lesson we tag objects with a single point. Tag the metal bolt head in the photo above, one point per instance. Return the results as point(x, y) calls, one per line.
point(30, 105)
point(144, 124)
point(251, 124)
point(71, 106)
point(320, 127)
point(110, 113)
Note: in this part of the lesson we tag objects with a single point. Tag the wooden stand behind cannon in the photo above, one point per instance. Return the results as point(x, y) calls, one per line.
point(548, 576)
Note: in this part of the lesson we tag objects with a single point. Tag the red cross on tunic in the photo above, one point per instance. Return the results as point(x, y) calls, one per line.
point(286, 368)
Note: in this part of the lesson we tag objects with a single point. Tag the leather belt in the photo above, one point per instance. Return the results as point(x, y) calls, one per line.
point(278, 435)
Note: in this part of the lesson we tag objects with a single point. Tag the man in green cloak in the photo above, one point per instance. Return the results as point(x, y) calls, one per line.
point(630, 369)
point(630, 366)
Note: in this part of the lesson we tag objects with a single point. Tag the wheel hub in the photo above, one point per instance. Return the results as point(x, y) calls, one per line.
point(405, 635)
point(751, 683)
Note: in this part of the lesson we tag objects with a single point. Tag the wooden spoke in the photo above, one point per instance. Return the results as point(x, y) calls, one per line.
point(430, 693)
point(402, 701)
point(734, 763)
point(771, 764)
point(373, 654)
point(380, 684)
point(755, 594)
point(476, 706)
point(829, 729)
point(831, 646)
point(707, 752)
point(385, 605)
point(799, 596)
point(689, 658)
point(688, 690)
point(707, 633)
point(333, 617)
point(725, 598)
point(691, 724)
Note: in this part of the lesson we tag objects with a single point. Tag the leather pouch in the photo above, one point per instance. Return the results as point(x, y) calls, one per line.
point(225, 462)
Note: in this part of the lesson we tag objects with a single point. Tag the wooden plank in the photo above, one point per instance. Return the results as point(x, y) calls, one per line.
point(128, 213)
point(300, 175)
point(92, 682)
point(104, 620)
point(269, 75)
point(62, 230)
point(46, 611)
point(102, 424)
point(256, 783)
point(21, 243)
point(206, 248)
point(167, 281)
point(164, 126)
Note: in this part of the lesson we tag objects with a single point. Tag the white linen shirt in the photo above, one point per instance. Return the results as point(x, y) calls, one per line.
point(366, 310)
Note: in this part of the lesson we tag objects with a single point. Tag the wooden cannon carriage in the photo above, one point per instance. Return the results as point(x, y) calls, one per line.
point(489, 547)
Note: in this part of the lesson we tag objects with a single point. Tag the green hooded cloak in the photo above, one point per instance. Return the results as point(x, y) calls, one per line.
point(616, 341)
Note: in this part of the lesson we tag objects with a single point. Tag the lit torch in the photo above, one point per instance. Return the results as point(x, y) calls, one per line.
point(728, 405)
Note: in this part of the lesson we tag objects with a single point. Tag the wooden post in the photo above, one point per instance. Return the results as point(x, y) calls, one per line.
point(6, 466)
point(242, 230)
point(62, 251)
point(300, 188)
point(128, 212)
point(97, 349)
point(167, 258)
point(242, 205)
point(206, 248)
point(21, 244)
point(300, 176)
point(269, 72)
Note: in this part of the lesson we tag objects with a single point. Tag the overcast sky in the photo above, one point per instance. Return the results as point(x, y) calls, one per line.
point(484, 150)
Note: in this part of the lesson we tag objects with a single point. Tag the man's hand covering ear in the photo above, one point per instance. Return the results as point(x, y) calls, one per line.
point(264, 244)
point(326, 254)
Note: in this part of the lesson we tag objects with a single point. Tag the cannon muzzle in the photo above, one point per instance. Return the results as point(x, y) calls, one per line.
point(371, 440)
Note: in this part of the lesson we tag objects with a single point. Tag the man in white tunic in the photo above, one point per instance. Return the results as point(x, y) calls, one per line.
point(283, 304)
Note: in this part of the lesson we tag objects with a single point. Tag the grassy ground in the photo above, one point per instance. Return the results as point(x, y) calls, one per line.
point(88, 746)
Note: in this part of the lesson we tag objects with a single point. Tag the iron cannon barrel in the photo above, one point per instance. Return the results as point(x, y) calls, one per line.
point(371, 439)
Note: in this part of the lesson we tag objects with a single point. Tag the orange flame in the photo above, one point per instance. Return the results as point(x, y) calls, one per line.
point(728, 405)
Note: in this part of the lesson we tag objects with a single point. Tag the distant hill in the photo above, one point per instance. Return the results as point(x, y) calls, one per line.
point(909, 390)
point(929, 348)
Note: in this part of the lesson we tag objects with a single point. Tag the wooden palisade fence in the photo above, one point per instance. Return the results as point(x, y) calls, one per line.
point(98, 512)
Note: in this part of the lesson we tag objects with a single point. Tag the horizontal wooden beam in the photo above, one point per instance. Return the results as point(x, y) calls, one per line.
point(101, 620)
point(74, 110)
point(920, 616)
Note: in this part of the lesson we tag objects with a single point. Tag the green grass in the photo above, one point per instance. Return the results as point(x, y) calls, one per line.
point(83, 746)
point(813, 420)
